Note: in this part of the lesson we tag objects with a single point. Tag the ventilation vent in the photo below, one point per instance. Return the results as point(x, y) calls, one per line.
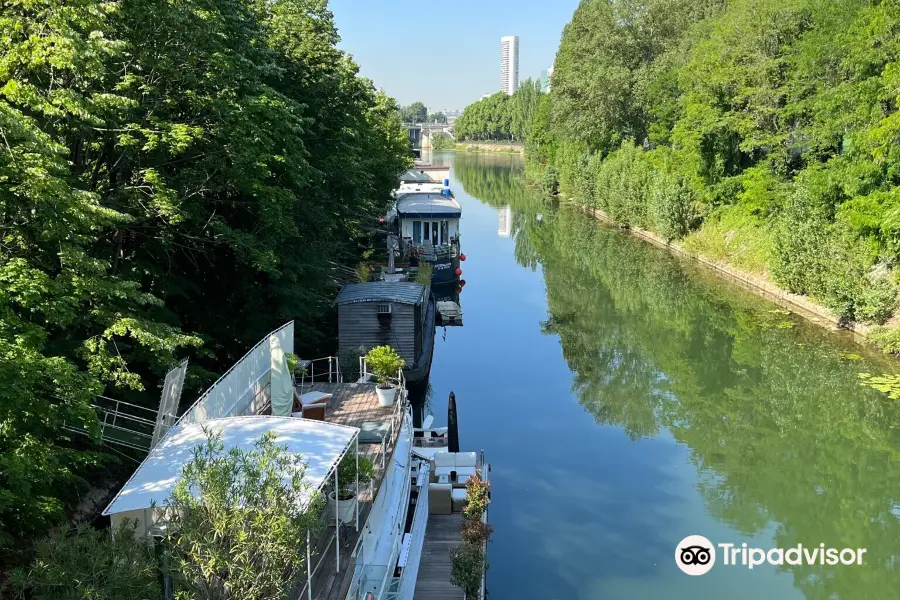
point(384, 309)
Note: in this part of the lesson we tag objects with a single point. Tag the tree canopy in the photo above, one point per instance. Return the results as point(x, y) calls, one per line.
point(762, 132)
point(414, 113)
point(178, 178)
point(500, 117)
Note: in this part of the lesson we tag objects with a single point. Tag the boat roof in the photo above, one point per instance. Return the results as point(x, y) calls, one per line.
point(427, 187)
point(425, 204)
point(321, 445)
point(415, 176)
point(402, 292)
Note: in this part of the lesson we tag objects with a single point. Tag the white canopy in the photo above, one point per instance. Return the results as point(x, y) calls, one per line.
point(321, 445)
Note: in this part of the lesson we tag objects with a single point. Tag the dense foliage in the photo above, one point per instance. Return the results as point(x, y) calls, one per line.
point(762, 132)
point(175, 175)
point(414, 113)
point(91, 564)
point(237, 526)
point(500, 117)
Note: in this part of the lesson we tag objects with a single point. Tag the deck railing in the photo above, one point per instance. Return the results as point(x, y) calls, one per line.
point(318, 370)
point(379, 578)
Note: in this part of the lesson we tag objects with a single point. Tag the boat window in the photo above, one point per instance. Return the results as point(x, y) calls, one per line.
point(427, 232)
point(434, 233)
point(417, 232)
point(445, 232)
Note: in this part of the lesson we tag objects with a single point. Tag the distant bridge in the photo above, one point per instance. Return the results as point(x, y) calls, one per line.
point(420, 134)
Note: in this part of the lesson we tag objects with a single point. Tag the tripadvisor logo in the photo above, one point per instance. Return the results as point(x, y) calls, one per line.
point(696, 555)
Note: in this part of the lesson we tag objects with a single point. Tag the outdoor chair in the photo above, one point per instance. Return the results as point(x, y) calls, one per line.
point(440, 501)
point(311, 405)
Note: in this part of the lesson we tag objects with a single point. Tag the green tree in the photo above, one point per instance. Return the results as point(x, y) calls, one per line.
point(775, 118)
point(174, 172)
point(414, 113)
point(91, 563)
point(237, 525)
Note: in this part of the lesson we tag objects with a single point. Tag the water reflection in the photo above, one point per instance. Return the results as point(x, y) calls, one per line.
point(785, 443)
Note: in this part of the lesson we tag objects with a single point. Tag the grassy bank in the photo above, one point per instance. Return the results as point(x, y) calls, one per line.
point(489, 147)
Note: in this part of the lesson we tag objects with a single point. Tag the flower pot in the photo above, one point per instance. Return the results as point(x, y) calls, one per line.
point(386, 395)
point(346, 509)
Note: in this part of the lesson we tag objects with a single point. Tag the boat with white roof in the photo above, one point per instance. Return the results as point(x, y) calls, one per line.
point(375, 550)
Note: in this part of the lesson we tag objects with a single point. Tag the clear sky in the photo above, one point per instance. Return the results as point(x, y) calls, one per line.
point(447, 54)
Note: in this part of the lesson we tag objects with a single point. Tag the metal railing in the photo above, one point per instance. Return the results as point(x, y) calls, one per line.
point(122, 423)
point(318, 370)
point(376, 578)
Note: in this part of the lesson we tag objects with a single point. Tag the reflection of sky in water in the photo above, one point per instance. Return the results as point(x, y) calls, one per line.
point(581, 511)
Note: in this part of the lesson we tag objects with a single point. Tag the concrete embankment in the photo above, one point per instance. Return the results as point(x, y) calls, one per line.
point(796, 303)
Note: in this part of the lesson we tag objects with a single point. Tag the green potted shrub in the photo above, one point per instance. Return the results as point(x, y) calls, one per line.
point(347, 492)
point(385, 363)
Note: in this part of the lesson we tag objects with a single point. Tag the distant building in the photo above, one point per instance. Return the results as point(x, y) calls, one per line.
point(486, 96)
point(549, 77)
point(504, 221)
point(509, 64)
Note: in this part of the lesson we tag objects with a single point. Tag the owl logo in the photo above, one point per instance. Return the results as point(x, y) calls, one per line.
point(695, 555)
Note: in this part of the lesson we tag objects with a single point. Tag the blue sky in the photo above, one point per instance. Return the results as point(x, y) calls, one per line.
point(455, 44)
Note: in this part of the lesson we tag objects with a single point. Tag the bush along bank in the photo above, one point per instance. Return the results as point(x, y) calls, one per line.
point(760, 135)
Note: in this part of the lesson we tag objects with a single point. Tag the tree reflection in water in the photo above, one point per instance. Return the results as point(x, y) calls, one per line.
point(771, 407)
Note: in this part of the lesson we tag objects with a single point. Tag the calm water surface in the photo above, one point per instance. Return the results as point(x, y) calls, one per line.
point(628, 399)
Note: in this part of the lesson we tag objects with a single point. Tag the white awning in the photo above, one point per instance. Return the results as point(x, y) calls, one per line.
point(321, 445)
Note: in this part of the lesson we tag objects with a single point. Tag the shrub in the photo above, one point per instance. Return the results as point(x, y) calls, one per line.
point(347, 473)
point(876, 301)
point(887, 339)
point(468, 565)
point(89, 563)
point(671, 205)
point(384, 362)
point(477, 498)
point(476, 532)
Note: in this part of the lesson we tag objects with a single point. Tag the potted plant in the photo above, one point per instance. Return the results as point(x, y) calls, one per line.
point(385, 363)
point(347, 492)
point(295, 367)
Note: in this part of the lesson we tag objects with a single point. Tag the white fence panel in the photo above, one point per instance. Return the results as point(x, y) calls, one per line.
point(243, 389)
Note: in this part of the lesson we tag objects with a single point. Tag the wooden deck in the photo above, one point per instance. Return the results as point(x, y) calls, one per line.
point(351, 404)
point(433, 582)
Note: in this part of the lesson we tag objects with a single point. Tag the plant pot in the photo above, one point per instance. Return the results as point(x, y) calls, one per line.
point(386, 396)
point(346, 509)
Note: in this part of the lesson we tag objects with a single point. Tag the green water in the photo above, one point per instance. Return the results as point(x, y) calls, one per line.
point(627, 399)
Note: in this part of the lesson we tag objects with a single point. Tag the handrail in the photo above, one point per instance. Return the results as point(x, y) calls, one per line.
point(332, 371)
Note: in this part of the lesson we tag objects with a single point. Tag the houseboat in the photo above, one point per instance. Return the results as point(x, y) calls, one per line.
point(372, 550)
point(400, 314)
point(425, 220)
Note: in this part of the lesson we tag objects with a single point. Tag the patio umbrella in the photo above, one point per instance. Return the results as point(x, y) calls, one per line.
point(452, 425)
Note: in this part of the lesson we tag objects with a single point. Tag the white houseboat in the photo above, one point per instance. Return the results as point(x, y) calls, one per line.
point(426, 221)
point(372, 550)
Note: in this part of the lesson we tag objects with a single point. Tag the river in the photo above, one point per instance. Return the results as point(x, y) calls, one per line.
point(627, 398)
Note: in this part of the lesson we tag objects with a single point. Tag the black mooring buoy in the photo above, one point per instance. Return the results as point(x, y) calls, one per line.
point(452, 425)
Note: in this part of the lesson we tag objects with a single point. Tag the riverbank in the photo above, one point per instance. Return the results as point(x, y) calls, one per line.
point(762, 286)
point(489, 147)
